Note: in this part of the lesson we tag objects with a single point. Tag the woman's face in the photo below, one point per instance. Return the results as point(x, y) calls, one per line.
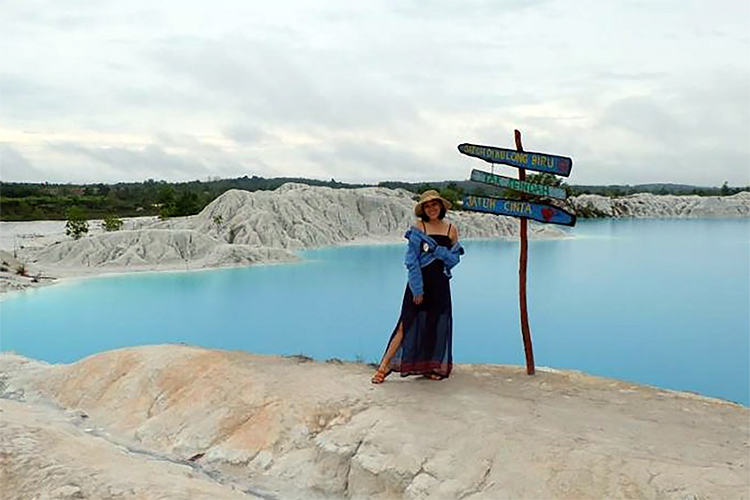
point(432, 209)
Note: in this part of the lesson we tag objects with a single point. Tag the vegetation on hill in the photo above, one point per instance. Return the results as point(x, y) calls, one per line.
point(45, 201)
point(27, 201)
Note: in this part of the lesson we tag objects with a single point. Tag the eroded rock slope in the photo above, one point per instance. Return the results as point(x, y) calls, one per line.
point(286, 428)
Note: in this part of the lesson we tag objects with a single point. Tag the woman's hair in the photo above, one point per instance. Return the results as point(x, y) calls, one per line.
point(426, 218)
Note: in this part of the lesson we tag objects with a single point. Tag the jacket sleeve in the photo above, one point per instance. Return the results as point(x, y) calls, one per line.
point(412, 264)
point(450, 256)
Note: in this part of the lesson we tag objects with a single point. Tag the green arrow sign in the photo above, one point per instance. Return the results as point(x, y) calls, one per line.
point(516, 185)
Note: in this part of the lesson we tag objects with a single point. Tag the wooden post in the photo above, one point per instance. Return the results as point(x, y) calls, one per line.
point(525, 331)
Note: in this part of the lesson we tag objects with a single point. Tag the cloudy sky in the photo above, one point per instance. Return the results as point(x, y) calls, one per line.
point(365, 91)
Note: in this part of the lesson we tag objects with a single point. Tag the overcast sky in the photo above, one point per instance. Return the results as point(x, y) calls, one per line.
point(366, 91)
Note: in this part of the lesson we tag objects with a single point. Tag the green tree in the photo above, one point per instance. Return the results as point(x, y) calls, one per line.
point(455, 187)
point(77, 225)
point(725, 189)
point(166, 195)
point(453, 196)
point(37, 214)
point(186, 204)
point(479, 191)
point(111, 223)
point(544, 178)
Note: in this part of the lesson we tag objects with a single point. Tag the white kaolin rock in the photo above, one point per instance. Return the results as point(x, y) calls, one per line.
point(645, 205)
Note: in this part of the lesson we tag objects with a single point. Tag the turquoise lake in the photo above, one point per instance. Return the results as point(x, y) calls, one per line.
point(659, 302)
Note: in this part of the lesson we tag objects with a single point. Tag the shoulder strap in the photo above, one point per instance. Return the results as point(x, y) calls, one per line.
point(449, 230)
point(424, 227)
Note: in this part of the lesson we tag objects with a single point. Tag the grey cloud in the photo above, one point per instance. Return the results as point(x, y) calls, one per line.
point(685, 130)
point(383, 85)
point(713, 111)
point(215, 158)
point(140, 163)
point(351, 160)
point(71, 15)
point(452, 10)
point(707, 167)
point(196, 160)
point(26, 99)
point(244, 134)
point(14, 167)
point(643, 116)
point(247, 77)
point(396, 72)
point(622, 76)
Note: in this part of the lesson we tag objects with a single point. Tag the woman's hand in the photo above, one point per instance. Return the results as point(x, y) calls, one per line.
point(418, 298)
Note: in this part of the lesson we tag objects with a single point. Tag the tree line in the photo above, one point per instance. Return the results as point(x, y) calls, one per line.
point(46, 201)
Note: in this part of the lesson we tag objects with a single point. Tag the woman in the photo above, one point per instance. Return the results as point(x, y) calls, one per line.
point(421, 342)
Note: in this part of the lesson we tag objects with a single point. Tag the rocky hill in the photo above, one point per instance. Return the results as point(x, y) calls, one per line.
point(300, 216)
point(177, 422)
point(242, 227)
point(145, 249)
point(662, 206)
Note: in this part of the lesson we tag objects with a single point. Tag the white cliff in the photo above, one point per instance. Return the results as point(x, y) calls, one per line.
point(644, 205)
point(299, 216)
point(148, 249)
point(192, 422)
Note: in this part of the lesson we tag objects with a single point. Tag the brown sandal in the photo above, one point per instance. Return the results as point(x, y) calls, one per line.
point(380, 376)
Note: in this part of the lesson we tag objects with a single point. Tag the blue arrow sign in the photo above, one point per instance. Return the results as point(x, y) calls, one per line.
point(540, 162)
point(517, 208)
point(516, 185)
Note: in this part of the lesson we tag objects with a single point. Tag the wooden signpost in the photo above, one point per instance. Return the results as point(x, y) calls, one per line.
point(524, 208)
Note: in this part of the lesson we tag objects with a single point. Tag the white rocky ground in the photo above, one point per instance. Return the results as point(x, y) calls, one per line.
point(663, 206)
point(298, 216)
point(178, 422)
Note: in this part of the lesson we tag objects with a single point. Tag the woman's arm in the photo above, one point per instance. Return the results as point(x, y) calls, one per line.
point(453, 233)
point(411, 260)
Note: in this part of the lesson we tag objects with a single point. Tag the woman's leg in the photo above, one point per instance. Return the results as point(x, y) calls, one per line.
point(393, 346)
point(383, 369)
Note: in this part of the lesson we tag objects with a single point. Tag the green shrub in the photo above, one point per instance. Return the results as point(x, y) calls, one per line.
point(77, 225)
point(111, 223)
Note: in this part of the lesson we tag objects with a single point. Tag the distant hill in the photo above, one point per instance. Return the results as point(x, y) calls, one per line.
point(654, 188)
point(45, 201)
point(574, 189)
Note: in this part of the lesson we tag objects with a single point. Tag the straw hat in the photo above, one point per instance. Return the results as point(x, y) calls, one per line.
point(430, 195)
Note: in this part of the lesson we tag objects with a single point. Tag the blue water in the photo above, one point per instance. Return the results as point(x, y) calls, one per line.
point(661, 302)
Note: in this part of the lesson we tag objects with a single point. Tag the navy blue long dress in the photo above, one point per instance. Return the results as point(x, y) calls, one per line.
point(426, 347)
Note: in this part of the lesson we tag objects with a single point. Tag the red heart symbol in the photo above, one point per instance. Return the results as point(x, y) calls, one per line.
point(547, 213)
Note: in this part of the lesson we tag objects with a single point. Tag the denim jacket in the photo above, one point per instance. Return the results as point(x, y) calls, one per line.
point(423, 250)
